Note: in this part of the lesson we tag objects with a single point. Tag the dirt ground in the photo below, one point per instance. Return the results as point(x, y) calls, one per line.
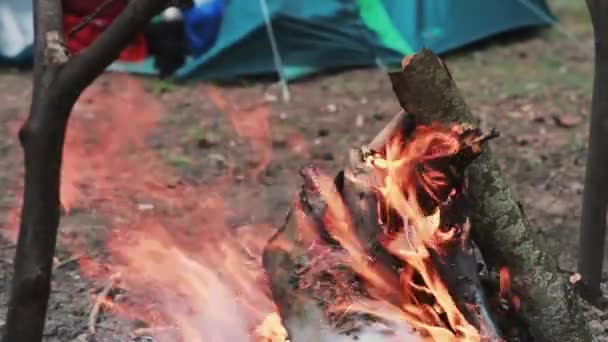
point(534, 87)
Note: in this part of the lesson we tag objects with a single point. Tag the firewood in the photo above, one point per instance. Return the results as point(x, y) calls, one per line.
point(550, 307)
point(286, 257)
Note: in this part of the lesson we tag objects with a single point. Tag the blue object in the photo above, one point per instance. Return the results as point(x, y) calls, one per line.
point(202, 24)
point(316, 35)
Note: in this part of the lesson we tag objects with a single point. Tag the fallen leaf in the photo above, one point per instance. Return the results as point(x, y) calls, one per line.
point(567, 120)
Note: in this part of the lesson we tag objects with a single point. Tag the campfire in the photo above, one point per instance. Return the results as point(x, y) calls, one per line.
point(384, 249)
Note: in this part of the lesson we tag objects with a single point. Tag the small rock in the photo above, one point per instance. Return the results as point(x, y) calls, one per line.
point(363, 100)
point(145, 206)
point(515, 115)
point(576, 187)
point(317, 141)
point(332, 108)
point(270, 97)
point(283, 116)
point(567, 120)
point(575, 278)
point(360, 121)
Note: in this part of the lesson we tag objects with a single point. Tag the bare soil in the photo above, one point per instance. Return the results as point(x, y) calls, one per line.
point(534, 87)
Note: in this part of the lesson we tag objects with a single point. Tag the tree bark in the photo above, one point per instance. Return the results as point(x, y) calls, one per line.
point(58, 82)
point(550, 307)
point(595, 197)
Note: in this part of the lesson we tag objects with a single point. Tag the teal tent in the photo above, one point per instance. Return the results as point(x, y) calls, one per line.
point(315, 35)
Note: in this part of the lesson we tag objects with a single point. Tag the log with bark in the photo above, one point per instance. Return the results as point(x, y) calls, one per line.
point(425, 88)
point(427, 93)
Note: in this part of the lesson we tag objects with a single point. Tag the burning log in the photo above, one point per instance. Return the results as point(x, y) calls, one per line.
point(383, 249)
point(550, 307)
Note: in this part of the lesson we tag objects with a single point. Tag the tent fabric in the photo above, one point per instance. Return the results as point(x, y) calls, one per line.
point(316, 35)
point(16, 31)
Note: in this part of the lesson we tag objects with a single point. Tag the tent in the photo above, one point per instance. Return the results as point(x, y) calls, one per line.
point(314, 35)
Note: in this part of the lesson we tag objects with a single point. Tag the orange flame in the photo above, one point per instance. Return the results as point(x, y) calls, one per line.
point(402, 177)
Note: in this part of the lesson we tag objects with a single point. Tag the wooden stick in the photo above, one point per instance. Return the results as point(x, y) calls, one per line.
point(426, 89)
point(595, 197)
point(99, 302)
point(58, 81)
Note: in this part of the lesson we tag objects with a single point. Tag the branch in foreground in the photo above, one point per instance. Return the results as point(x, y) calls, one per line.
point(87, 20)
point(502, 232)
point(58, 82)
point(86, 65)
point(595, 198)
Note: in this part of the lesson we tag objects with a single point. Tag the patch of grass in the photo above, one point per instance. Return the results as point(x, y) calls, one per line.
point(176, 159)
point(194, 133)
point(162, 86)
point(576, 144)
point(533, 162)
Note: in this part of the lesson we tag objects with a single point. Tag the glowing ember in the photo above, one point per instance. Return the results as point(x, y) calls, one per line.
point(505, 290)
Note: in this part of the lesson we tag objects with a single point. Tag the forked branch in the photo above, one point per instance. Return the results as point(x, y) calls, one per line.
point(59, 79)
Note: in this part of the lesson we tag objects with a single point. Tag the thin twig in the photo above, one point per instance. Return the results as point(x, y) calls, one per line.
point(99, 302)
point(151, 331)
point(87, 20)
point(59, 264)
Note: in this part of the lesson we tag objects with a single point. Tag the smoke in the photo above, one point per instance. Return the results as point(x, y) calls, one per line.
point(312, 326)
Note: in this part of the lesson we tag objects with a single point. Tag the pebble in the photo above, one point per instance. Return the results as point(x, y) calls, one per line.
point(360, 121)
point(145, 206)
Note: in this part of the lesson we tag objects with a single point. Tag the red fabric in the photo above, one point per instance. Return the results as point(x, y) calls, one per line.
point(85, 7)
point(136, 51)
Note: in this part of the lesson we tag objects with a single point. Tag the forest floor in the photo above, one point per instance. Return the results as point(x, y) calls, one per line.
point(135, 143)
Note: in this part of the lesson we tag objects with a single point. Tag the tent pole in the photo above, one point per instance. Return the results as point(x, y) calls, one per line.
point(278, 61)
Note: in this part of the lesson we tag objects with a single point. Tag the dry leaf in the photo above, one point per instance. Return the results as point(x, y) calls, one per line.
point(567, 120)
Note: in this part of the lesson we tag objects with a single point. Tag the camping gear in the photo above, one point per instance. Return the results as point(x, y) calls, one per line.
point(202, 24)
point(316, 35)
point(166, 39)
point(83, 37)
point(177, 32)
